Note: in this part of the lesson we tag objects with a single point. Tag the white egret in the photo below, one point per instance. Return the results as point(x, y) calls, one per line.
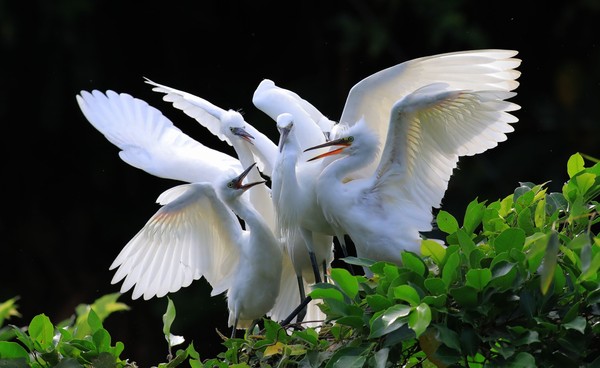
point(150, 141)
point(429, 130)
point(301, 125)
point(372, 98)
point(229, 125)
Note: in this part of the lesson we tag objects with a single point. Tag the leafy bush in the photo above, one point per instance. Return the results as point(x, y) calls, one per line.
point(517, 286)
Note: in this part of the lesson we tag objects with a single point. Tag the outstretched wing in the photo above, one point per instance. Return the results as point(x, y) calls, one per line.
point(213, 117)
point(310, 124)
point(207, 114)
point(149, 141)
point(193, 235)
point(429, 130)
point(477, 70)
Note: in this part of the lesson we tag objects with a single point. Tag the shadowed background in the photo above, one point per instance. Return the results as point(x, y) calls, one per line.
point(70, 204)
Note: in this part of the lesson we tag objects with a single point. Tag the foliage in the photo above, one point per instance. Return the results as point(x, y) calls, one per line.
point(517, 285)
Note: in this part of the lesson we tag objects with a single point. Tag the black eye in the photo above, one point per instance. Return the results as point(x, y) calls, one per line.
point(230, 184)
point(350, 139)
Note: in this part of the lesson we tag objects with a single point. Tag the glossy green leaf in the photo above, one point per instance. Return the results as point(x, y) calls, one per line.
point(419, 318)
point(466, 243)
point(450, 269)
point(549, 262)
point(390, 320)
point(329, 293)
point(433, 249)
point(578, 323)
point(466, 296)
point(408, 294)
point(93, 321)
point(473, 216)
point(378, 302)
point(448, 336)
point(478, 278)
point(446, 222)
point(509, 239)
point(435, 286)
point(41, 331)
point(346, 281)
point(575, 164)
point(12, 350)
point(414, 263)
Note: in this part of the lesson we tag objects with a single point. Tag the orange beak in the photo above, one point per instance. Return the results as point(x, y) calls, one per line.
point(338, 142)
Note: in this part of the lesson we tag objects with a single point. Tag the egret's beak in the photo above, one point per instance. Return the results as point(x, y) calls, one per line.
point(283, 134)
point(242, 176)
point(343, 142)
point(242, 133)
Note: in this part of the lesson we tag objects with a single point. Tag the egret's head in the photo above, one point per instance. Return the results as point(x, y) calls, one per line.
point(234, 122)
point(357, 139)
point(285, 123)
point(233, 187)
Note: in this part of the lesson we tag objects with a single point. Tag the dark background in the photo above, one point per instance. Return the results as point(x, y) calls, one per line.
point(69, 203)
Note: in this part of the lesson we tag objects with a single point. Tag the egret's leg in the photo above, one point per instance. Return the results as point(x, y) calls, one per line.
point(307, 237)
point(234, 328)
point(324, 271)
point(301, 313)
point(296, 311)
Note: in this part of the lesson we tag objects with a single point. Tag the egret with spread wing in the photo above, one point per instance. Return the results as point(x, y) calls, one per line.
point(229, 125)
point(149, 141)
point(429, 129)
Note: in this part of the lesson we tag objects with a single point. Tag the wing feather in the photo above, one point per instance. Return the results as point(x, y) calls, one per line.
point(192, 235)
point(207, 114)
point(149, 141)
point(373, 97)
point(429, 130)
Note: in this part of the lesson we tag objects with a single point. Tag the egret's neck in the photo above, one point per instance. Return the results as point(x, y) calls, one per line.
point(244, 210)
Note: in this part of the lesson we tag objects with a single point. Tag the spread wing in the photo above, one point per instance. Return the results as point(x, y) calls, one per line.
point(149, 141)
point(478, 70)
point(214, 118)
point(192, 235)
point(310, 124)
point(429, 130)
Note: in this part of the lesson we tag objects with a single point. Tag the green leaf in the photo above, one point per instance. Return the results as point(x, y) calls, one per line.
point(414, 263)
point(578, 324)
point(326, 293)
point(450, 269)
point(168, 319)
point(12, 350)
point(473, 216)
point(101, 339)
point(466, 296)
point(419, 318)
point(549, 262)
point(512, 238)
point(448, 337)
point(93, 321)
point(346, 281)
point(408, 294)
point(348, 357)
point(436, 286)
point(41, 331)
point(446, 222)
point(575, 164)
point(8, 309)
point(467, 245)
point(389, 321)
point(378, 302)
point(434, 250)
point(479, 278)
